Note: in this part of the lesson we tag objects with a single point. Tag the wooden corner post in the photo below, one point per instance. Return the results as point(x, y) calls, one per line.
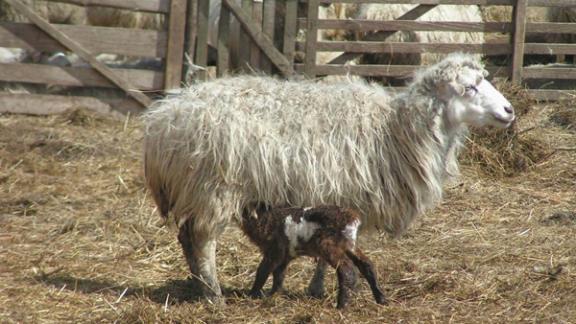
point(518, 38)
point(311, 38)
point(176, 39)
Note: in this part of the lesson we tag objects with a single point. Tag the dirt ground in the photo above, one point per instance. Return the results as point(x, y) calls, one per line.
point(80, 240)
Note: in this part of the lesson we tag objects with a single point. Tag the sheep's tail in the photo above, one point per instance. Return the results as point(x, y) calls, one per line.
point(156, 187)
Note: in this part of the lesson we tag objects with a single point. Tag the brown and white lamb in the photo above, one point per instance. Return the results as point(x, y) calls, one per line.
point(326, 232)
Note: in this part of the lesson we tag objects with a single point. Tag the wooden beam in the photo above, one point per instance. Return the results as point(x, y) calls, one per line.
point(176, 39)
point(311, 37)
point(412, 14)
point(255, 52)
point(81, 52)
point(519, 21)
point(399, 48)
point(263, 42)
point(363, 25)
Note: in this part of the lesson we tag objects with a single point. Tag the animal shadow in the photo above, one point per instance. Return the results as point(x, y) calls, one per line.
point(180, 291)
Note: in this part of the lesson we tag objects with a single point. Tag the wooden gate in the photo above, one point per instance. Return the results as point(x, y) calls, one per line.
point(138, 85)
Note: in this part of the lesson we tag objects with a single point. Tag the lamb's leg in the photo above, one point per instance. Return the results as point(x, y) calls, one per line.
point(278, 277)
point(200, 252)
point(367, 270)
point(264, 269)
point(316, 286)
point(337, 258)
point(346, 281)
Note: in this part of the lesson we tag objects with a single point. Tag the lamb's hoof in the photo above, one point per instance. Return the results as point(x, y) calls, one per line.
point(316, 293)
point(381, 300)
point(256, 294)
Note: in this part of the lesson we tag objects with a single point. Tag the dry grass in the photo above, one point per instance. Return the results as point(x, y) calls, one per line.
point(80, 241)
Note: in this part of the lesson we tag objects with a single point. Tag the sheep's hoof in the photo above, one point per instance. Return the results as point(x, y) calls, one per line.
point(256, 294)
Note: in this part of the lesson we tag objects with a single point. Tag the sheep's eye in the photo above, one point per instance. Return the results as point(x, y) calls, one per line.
point(471, 88)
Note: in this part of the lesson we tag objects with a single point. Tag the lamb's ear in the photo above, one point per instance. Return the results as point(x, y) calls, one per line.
point(449, 89)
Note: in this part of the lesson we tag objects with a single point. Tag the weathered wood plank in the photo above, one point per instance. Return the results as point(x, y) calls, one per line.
point(36, 104)
point(311, 37)
point(161, 6)
point(519, 22)
point(553, 95)
point(223, 64)
point(81, 52)
point(201, 58)
point(175, 51)
point(551, 49)
point(191, 33)
point(265, 43)
point(409, 25)
point(290, 29)
point(413, 14)
point(268, 15)
point(122, 41)
point(554, 28)
point(77, 77)
point(255, 52)
point(244, 40)
point(403, 71)
point(549, 73)
point(433, 2)
point(399, 47)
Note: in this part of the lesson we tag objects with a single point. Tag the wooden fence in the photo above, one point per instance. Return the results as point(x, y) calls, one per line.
point(510, 42)
point(253, 35)
point(39, 36)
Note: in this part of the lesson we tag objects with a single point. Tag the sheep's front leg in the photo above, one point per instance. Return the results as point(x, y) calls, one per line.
point(316, 286)
point(264, 269)
point(200, 252)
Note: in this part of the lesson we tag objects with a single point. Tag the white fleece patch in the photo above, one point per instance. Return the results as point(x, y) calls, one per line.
point(351, 231)
point(296, 232)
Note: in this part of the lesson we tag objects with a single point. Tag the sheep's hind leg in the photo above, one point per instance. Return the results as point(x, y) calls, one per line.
point(200, 252)
point(316, 286)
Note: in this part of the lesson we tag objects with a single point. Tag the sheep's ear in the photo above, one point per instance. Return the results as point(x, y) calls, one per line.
point(457, 88)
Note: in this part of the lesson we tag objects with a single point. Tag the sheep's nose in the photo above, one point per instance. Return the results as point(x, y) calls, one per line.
point(509, 109)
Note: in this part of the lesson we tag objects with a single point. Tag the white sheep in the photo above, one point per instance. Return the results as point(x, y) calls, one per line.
point(220, 145)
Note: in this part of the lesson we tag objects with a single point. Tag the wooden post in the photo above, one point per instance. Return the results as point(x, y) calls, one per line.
point(191, 33)
point(223, 63)
point(255, 53)
point(290, 29)
point(518, 38)
point(82, 52)
point(245, 43)
point(175, 51)
point(202, 37)
point(311, 38)
point(268, 15)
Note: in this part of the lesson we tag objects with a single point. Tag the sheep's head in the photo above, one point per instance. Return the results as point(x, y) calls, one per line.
point(459, 81)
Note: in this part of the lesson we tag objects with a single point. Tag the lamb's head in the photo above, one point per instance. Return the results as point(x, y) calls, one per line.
point(470, 99)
